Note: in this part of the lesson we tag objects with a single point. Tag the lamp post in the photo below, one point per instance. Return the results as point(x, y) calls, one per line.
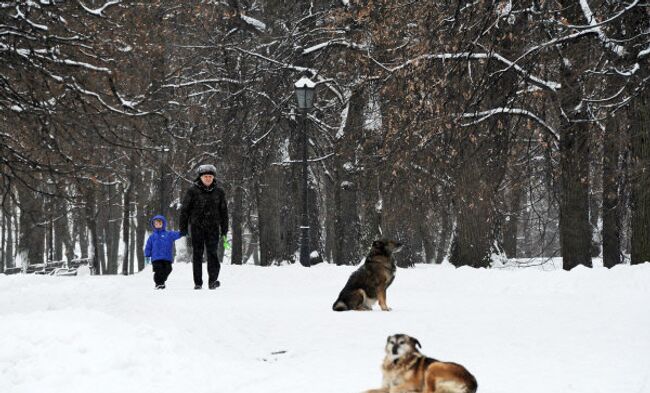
point(305, 96)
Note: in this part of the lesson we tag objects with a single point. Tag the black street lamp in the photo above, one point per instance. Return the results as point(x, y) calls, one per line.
point(305, 95)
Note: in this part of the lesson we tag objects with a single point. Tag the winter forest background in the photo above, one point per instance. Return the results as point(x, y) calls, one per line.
point(470, 131)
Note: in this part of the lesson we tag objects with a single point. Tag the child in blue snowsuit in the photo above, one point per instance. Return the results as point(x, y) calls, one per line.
point(159, 250)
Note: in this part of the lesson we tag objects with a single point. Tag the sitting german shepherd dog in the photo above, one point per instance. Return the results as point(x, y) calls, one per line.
point(405, 369)
point(368, 284)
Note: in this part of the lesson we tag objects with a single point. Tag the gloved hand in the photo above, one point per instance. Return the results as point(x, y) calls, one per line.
point(226, 243)
point(183, 233)
point(147, 260)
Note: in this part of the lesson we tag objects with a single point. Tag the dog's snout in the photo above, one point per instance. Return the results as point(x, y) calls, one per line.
point(395, 348)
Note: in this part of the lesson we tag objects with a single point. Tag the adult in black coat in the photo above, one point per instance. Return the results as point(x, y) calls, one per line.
point(205, 210)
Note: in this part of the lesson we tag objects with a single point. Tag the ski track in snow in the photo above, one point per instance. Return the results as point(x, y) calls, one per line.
point(272, 330)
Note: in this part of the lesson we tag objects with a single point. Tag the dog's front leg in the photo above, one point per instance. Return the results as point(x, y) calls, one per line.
point(381, 297)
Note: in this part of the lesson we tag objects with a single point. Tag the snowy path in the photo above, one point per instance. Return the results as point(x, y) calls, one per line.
point(271, 330)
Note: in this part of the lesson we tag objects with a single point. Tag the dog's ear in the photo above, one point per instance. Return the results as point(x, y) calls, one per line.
point(416, 342)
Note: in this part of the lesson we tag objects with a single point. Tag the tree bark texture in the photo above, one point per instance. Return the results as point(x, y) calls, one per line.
point(640, 171)
point(611, 232)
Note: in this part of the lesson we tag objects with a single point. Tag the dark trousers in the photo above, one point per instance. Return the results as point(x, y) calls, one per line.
point(208, 241)
point(161, 270)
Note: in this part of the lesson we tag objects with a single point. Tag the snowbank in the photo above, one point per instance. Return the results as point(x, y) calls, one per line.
point(272, 330)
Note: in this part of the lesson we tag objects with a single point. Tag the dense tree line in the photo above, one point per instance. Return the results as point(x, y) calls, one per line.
point(468, 130)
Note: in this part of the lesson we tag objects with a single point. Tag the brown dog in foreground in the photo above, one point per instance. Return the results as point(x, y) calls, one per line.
point(405, 369)
point(368, 284)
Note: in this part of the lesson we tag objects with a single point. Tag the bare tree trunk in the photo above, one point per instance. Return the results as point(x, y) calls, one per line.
point(133, 254)
point(336, 233)
point(113, 229)
point(330, 218)
point(313, 215)
point(371, 208)
point(62, 232)
point(10, 213)
point(345, 231)
point(101, 222)
point(3, 248)
point(640, 141)
point(268, 208)
point(48, 208)
point(595, 189)
point(611, 231)
point(32, 230)
point(58, 227)
point(5, 223)
point(512, 223)
point(473, 238)
point(91, 220)
point(428, 246)
point(126, 225)
point(253, 248)
point(237, 224)
point(575, 229)
point(445, 234)
point(471, 245)
point(81, 231)
point(140, 180)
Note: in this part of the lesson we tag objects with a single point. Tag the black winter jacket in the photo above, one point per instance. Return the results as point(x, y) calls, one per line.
point(204, 208)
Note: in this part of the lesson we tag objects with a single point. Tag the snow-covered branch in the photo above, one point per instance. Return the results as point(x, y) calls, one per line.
point(644, 53)
point(344, 116)
point(127, 104)
point(21, 15)
point(99, 11)
point(593, 24)
point(482, 116)
point(550, 85)
point(609, 44)
point(299, 69)
point(255, 23)
point(290, 162)
point(201, 82)
point(337, 42)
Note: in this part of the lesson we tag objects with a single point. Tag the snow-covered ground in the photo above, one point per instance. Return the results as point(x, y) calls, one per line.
point(272, 330)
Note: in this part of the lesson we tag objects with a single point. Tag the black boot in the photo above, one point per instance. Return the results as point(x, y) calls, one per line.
point(214, 284)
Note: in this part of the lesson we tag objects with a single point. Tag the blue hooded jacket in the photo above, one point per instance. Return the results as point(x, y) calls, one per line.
point(160, 244)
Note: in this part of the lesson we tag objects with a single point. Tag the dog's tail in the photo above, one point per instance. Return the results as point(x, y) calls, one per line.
point(340, 305)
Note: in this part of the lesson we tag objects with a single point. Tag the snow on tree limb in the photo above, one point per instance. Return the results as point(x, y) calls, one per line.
point(201, 82)
point(21, 15)
point(49, 56)
point(644, 53)
point(127, 104)
point(550, 85)
point(609, 44)
point(296, 68)
point(99, 11)
point(336, 42)
point(255, 23)
point(516, 111)
point(606, 21)
point(290, 162)
point(344, 116)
